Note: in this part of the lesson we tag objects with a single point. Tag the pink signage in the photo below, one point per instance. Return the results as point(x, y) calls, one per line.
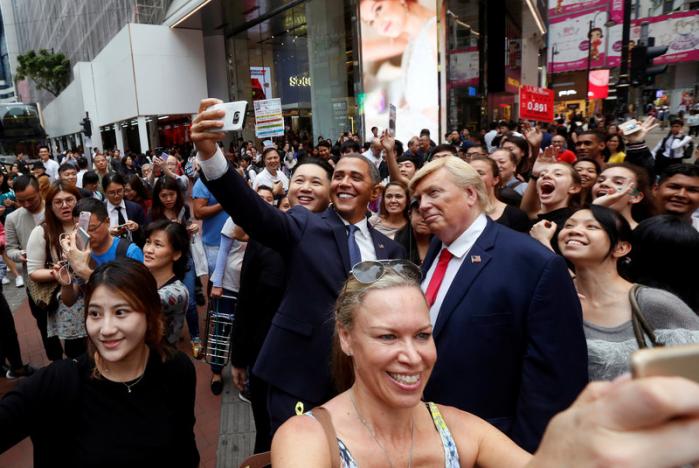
point(679, 31)
point(572, 7)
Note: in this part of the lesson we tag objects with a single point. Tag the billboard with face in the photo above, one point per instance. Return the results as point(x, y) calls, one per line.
point(399, 58)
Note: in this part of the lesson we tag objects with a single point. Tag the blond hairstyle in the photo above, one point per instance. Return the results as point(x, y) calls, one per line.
point(462, 174)
point(349, 301)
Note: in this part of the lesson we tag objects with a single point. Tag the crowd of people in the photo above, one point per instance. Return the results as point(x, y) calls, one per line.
point(394, 304)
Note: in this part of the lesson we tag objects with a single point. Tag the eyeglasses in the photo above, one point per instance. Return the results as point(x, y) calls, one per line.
point(59, 203)
point(116, 193)
point(96, 226)
point(371, 271)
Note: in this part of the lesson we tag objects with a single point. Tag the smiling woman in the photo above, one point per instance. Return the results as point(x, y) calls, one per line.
point(383, 356)
point(129, 386)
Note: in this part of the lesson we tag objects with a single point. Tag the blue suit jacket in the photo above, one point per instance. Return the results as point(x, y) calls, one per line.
point(295, 356)
point(509, 335)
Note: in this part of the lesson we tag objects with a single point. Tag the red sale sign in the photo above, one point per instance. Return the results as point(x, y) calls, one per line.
point(535, 103)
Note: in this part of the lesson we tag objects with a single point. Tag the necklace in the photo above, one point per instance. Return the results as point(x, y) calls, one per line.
point(373, 434)
point(128, 386)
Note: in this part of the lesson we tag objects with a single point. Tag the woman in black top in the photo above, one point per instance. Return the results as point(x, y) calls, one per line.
point(501, 213)
point(128, 402)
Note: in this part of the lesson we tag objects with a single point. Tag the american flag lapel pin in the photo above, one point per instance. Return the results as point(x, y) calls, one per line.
point(475, 259)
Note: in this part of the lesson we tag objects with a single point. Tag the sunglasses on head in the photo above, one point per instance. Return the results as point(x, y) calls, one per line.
point(371, 271)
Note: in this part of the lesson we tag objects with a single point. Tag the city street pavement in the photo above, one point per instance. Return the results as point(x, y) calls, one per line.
point(224, 427)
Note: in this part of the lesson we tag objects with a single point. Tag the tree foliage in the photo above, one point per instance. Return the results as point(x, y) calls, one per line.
point(48, 70)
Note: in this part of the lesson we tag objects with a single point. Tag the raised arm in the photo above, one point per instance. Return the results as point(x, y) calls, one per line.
point(259, 219)
point(389, 146)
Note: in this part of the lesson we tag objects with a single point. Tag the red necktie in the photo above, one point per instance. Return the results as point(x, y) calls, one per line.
point(438, 276)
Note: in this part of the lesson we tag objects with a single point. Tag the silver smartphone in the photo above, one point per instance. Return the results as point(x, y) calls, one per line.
point(82, 239)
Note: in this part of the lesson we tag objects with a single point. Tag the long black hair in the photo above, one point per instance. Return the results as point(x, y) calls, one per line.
point(179, 241)
point(157, 210)
point(662, 244)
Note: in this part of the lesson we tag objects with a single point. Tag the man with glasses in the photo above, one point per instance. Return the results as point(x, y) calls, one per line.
point(126, 218)
point(103, 246)
point(18, 226)
point(475, 151)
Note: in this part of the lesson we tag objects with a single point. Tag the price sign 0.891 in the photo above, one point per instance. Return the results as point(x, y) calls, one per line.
point(535, 103)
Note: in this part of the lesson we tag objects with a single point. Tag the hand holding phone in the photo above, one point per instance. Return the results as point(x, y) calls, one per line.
point(234, 120)
point(678, 361)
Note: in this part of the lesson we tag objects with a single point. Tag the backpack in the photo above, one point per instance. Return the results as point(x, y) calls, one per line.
point(122, 247)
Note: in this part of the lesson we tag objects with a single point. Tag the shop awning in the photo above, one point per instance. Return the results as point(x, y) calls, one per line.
point(180, 10)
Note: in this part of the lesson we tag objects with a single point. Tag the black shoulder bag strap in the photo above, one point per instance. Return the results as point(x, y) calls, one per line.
point(641, 328)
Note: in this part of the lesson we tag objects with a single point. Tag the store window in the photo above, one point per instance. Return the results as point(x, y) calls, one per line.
point(463, 54)
point(300, 52)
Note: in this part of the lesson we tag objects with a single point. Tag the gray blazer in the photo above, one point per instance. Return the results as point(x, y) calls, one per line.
point(18, 227)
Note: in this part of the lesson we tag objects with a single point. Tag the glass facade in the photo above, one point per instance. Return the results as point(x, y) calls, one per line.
point(301, 52)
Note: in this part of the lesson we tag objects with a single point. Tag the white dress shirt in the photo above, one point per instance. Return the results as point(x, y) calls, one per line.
point(214, 167)
point(114, 213)
point(459, 250)
point(363, 238)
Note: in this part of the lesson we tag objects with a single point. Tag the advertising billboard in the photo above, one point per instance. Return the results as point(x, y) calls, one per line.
point(678, 31)
point(399, 58)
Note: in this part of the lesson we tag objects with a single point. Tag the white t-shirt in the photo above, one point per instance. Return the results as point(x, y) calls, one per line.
point(265, 178)
point(51, 167)
point(234, 261)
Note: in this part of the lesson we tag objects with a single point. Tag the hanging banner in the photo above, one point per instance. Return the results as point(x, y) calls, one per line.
point(400, 65)
point(598, 84)
point(678, 31)
point(536, 103)
point(269, 121)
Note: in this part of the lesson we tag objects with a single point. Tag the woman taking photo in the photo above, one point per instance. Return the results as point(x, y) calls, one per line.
point(507, 215)
point(393, 211)
point(128, 402)
point(595, 240)
point(168, 204)
point(166, 254)
point(46, 267)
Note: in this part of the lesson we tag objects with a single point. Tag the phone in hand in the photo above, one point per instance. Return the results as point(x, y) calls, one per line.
point(234, 120)
point(629, 127)
point(679, 361)
point(84, 220)
point(82, 239)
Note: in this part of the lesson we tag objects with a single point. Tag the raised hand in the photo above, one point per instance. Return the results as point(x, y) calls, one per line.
point(648, 124)
point(388, 142)
point(201, 133)
point(615, 195)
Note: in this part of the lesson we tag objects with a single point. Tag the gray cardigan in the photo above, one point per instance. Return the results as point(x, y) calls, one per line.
point(609, 348)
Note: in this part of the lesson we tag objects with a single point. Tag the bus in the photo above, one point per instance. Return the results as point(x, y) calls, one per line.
point(21, 130)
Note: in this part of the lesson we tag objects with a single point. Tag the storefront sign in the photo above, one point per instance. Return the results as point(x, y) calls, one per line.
point(536, 103)
point(300, 80)
point(269, 121)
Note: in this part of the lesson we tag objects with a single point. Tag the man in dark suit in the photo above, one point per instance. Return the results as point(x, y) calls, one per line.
point(507, 320)
point(319, 250)
point(126, 218)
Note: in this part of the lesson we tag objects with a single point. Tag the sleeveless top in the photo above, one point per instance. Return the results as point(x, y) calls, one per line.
point(451, 456)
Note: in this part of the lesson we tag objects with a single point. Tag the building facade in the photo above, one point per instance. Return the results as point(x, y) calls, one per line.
point(332, 69)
